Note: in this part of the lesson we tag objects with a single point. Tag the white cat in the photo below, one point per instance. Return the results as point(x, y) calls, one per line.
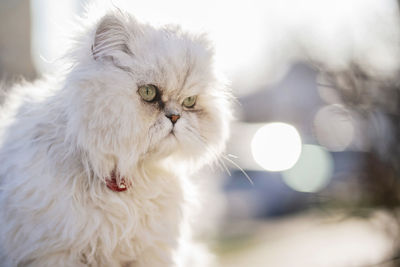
point(94, 163)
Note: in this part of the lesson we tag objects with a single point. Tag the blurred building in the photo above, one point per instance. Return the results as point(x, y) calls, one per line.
point(15, 40)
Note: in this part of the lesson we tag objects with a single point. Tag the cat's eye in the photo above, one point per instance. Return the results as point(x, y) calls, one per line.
point(189, 101)
point(148, 92)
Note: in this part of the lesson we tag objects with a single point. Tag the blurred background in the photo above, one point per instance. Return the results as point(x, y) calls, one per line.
point(312, 170)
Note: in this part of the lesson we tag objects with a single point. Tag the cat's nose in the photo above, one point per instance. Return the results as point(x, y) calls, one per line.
point(173, 117)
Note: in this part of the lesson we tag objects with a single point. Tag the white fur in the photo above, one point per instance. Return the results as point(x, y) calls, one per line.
point(61, 137)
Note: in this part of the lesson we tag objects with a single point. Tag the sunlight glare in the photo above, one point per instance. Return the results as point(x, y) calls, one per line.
point(276, 146)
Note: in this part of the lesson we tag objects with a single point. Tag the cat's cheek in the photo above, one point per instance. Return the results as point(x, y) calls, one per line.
point(159, 131)
point(213, 128)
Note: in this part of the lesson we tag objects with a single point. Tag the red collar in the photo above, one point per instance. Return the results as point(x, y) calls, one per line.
point(112, 184)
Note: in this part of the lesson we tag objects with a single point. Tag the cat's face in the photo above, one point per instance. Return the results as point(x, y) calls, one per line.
point(148, 94)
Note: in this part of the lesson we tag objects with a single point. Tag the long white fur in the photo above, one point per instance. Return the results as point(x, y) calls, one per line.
point(60, 138)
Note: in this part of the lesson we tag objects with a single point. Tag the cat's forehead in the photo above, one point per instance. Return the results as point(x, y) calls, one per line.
point(177, 64)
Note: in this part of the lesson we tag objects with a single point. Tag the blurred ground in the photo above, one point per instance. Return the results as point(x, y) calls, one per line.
point(311, 239)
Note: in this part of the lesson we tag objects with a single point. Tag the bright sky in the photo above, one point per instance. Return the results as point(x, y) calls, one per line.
point(256, 38)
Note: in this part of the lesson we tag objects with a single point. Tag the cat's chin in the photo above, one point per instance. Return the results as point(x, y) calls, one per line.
point(167, 146)
point(178, 143)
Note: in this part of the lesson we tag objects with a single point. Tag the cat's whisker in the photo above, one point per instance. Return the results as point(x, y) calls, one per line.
point(226, 157)
point(225, 167)
point(218, 161)
point(240, 168)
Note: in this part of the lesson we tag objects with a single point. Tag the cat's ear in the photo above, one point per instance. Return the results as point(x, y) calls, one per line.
point(111, 38)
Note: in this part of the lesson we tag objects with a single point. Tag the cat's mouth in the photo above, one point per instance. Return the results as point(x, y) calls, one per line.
point(173, 134)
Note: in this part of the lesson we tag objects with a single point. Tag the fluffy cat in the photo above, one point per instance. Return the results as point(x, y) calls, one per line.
point(95, 162)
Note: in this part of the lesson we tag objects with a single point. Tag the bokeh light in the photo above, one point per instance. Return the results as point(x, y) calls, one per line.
point(334, 127)
point(312, 172)
point(276, 146)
